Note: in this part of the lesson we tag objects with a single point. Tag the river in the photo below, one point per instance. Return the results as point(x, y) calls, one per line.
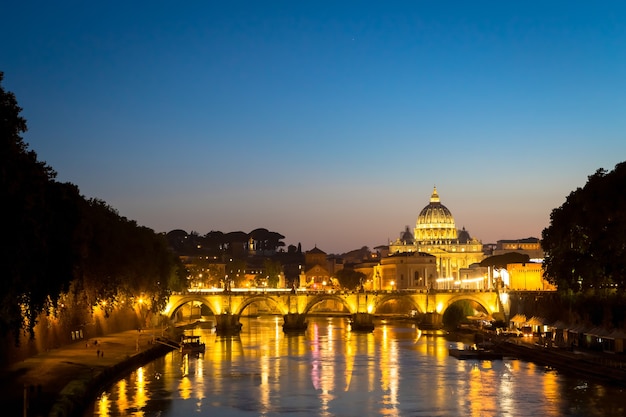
point(330, 371)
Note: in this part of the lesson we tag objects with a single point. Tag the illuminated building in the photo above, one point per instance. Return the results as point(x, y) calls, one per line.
point(527, 276)
point(315, 274)
point(435, 234)
point(530, 246)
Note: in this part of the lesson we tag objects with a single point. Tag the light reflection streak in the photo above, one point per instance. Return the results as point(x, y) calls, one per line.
point(184, 387)
point(550, 390)
point(389, 370)
point(323, 371)
point(315, 358)
point(349, 355)
point(384, 358)
point(506, 390)
point(104, 405)
point(198, 382)
point(141, 394)
point(476, 387)
point(122, 401)
point(264, 387)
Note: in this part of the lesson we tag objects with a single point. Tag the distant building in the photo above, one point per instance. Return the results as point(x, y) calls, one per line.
point(434, 254)
point(530, 246)
point(406, 270)
point(316, 274)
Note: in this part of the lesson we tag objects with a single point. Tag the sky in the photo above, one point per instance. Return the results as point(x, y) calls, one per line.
point(329, 122)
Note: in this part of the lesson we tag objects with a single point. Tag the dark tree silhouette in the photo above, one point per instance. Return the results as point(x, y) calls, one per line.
point(349, 278)
point(59, 244)
point(39, 222)
point(585, 243)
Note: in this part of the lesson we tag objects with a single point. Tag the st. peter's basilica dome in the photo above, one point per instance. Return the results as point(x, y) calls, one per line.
point(435, 222)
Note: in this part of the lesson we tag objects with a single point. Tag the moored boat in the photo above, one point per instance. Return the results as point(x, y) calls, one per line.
point(473, 352)
point(192, 344)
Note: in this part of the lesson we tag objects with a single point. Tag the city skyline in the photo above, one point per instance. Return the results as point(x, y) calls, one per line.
point(329, 123)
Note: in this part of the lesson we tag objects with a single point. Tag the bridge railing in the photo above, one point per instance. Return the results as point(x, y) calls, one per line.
point(304, 291)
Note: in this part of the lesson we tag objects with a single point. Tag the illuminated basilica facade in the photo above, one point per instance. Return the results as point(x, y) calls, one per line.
point(453, 251)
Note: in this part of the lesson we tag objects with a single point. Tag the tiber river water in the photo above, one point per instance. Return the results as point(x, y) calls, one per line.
point(330, 371)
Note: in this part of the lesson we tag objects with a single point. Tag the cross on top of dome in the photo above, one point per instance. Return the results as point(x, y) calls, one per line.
point(434, 198)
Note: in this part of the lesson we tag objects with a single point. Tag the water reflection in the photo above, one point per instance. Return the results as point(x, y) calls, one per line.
point(330, 371)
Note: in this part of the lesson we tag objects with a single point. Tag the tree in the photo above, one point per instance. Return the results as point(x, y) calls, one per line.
point(585, 243)
point(61, 245)
point(272, 271)
point(39, 225)
point(349, 278)
point(235, 273)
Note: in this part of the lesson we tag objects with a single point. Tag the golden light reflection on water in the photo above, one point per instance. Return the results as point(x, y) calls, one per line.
point(141, 395)
point(389, 367)
point(103, 405)
point(264, 386)
point(327, 370)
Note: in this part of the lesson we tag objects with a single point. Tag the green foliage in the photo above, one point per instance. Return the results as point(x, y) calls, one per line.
point(585, 243)
point(349, 278)
point(272, 271)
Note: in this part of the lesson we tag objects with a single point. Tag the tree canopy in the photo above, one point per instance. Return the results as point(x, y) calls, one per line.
point(501, 261)
point(57, 241)
point(585, 243)
point(349, 278)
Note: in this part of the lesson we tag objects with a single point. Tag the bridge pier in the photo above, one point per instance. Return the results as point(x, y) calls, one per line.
point(431, 321)
point(294, 322)
point(362, 322)
point(227, 324)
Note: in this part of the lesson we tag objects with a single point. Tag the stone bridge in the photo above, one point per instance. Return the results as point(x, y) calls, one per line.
point(294, 306)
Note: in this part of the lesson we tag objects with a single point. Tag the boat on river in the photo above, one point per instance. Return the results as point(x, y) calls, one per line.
point(192, 344)
point(475, 352)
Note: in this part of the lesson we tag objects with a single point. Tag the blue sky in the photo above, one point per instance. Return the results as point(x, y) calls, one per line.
point(328, 122)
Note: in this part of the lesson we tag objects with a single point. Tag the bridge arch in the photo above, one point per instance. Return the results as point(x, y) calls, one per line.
point(328, 296)
point(395, 296)
point(172, 309)
point(469, 297)
point(246, 302)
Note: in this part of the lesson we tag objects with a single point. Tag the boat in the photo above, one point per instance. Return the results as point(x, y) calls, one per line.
point(191, 344)
point(474, 352)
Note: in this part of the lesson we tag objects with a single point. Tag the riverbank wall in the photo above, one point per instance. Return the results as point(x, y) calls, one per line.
point(76, 396)
point(603, 367)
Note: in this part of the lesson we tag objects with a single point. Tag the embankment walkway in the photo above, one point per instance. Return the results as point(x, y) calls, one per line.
point(58, 382)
